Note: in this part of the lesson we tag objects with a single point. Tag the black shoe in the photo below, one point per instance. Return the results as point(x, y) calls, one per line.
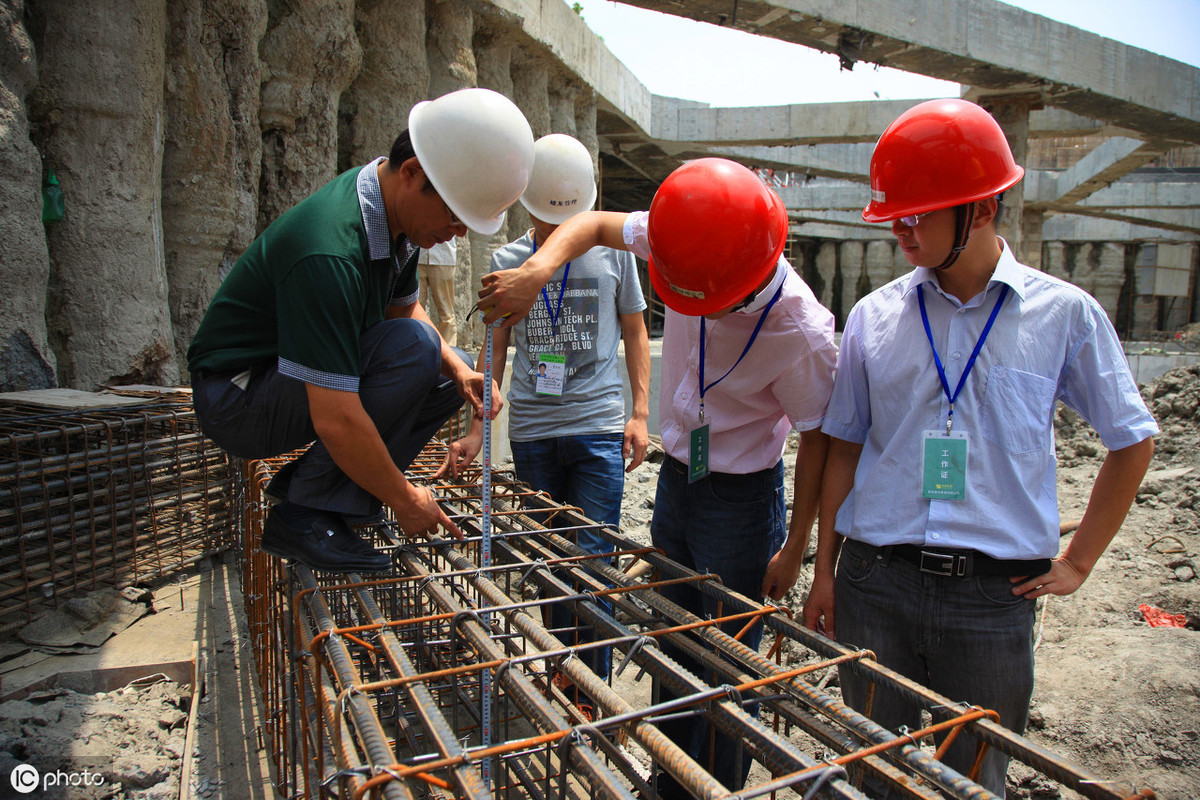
point(323, 545)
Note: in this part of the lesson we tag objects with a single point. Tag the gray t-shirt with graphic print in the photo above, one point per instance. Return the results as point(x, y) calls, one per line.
point(585, 329)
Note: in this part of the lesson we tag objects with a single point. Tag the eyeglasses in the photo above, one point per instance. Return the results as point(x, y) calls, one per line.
point(912, 219)
point(453, 219)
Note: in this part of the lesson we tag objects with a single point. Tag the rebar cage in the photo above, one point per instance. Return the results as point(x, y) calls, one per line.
point(111, 496)
point(442, 678)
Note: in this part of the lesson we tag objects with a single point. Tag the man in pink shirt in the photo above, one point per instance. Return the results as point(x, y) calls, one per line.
point(748, 355)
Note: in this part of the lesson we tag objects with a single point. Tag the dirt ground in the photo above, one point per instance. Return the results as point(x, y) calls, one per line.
point(1113, 694)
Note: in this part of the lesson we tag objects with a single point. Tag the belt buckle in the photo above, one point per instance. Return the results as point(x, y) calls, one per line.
point(943, 564)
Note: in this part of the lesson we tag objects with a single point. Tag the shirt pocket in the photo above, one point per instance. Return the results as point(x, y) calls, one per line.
point(1017, 410)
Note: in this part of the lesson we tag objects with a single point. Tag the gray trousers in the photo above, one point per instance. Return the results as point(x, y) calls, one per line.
point(401, 388)
point(970, 639)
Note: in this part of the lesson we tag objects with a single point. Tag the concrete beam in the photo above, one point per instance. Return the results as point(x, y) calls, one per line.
point(846, 161)
point(820, 123)
point(1179, 220)
point(981, 43)
point(1109, 162)
point(1146, 194)
point(568, 38)
point(1073, 228)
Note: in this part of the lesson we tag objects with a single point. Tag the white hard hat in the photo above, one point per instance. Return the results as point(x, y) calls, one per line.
point(476, 147)
point(563, 181)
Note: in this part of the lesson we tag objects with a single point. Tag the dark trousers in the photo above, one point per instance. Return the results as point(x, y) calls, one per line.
point(401, 389)
point(970, 639)
point(730, 525)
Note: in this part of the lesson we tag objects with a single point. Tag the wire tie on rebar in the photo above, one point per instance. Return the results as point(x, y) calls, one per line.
point(823, 777)
point(350, 772)
point(540, 563)
point(634, 648)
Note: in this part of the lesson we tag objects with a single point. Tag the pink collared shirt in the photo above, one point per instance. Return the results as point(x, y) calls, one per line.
point(784, 382)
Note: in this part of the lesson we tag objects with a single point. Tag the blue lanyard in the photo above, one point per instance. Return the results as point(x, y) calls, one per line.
point(703, 335)
point(546, 298)
point(970, 362)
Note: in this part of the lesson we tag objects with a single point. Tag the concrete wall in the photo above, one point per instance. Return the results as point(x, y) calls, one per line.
point(179, 130)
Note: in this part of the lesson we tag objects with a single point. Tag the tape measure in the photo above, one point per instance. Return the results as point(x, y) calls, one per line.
point(485, 551)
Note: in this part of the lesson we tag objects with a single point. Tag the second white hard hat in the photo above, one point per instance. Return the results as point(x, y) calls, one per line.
point(476, 147)
point(563, 181)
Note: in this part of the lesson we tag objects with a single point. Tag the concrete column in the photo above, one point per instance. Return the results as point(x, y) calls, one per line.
point(494, 47)
point(26, 360)
point(451, 57)
point(826, 261)
point(310, 54)
point(879, 264)
point(107, 313)
point(1031, 238)
point(531, 93)
point(562, 104)
point(1109, 276)
point(854, 278)
point(1012, 112)
point(212, 154)
point(448, 42)
point(394, 77)
point(1054, 262)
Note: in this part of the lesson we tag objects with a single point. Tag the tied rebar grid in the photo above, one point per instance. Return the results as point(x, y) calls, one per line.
point(372, 682)
point(103, 497)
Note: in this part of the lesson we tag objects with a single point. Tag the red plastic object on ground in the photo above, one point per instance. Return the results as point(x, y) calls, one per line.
point(1157, 618)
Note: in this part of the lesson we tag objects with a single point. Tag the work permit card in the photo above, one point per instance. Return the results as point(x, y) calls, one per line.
point(945, 466)
point(552, 374)
point(698, 454)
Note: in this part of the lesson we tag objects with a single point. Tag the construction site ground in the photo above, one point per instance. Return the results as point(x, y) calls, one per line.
point(1114, 694)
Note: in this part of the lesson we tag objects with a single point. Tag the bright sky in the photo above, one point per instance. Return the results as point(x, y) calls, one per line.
point(675, 57)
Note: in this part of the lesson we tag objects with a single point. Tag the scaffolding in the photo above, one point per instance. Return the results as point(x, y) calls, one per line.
point(373, 684)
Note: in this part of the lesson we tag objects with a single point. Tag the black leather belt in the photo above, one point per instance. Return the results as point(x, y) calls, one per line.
point(966, 563)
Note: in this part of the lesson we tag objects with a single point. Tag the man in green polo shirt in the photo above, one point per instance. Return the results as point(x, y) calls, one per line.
point(317, 333)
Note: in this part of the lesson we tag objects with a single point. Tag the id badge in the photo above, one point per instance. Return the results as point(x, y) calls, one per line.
point(551, 375)
point(945, 466)
point(698, 454)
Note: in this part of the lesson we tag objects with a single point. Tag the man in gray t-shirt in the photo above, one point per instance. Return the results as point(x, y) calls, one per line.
point(567, 425)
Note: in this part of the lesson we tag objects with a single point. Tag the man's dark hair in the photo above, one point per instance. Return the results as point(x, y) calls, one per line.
point(402, 150)
point(999, 207)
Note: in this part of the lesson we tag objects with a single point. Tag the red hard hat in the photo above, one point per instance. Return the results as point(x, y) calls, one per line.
point(716, 231)
point(938, 154)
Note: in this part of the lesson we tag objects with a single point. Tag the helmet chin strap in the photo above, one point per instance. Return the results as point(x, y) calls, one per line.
point(964, 218)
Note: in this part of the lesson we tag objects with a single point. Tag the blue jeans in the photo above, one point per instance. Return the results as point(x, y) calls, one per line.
point(401, 389)
point(583, 471)
point(970, 639)
point(730, 525)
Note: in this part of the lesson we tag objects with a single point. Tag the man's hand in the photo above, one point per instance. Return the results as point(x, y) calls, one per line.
point(470, 387)
point(636, 441)
point(462, 452)
point(1062, 579)
point(818, 608)
point(423, 516)
point(510, 293)
point(781, 574)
